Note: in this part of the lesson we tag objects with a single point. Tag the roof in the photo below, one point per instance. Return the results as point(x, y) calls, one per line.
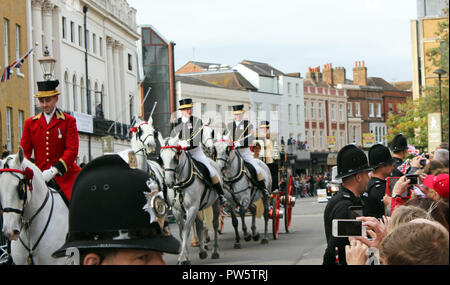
point(193, 81)
point(229, 79)
point(312, 83)
point(380, 82)
point(204, 65)
point(402, 85)
point(261, 68)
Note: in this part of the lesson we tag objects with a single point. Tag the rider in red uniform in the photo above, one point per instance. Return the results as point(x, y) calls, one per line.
point(53, 136)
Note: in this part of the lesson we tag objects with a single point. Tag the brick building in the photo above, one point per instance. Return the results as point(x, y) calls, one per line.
point(14, 93)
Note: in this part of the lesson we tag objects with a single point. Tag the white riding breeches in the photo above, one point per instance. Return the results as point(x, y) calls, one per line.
point(198, 154)
point(247, 155)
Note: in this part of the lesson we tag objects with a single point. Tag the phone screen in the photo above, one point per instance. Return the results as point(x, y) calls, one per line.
point(412, 179)
point(349, 228)
point(391, 184)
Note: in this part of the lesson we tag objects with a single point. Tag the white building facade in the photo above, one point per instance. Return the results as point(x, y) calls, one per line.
point(111, 36)
point(287, 91)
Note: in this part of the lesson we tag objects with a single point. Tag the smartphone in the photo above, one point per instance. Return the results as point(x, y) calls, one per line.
point(348, 228)
point(390, 182)
point(355, 211)
point(412, 179)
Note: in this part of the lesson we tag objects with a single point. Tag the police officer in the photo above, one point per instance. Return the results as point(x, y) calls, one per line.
point(117, 216)
point(399, 147)
point(190, 131)
point(353, 168)
point(53, 137)
point(381, 161)
point(242, 133)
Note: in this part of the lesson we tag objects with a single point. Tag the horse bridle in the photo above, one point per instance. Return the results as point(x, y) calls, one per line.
point(24, 183)
point(135, 130)
point(175, 148)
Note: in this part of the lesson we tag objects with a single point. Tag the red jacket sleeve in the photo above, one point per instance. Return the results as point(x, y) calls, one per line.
point(395, 202)
point(25, 141)
point(71, 146)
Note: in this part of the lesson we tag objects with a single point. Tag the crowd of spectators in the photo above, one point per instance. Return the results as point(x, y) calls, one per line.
point(417, 230)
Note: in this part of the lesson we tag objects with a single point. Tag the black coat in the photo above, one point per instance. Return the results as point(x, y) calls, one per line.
point(337, 208)
point(373, 198)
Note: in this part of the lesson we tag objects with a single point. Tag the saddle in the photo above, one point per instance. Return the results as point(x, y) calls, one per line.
point(204, 172)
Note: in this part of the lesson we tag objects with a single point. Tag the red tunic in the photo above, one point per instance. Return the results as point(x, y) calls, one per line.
point(55, 144)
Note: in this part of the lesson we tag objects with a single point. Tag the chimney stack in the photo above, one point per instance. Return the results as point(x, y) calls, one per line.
point(360, 74)
point(339, 75)
point(328, 74)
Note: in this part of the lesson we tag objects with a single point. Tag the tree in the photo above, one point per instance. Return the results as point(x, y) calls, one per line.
point(413, 120)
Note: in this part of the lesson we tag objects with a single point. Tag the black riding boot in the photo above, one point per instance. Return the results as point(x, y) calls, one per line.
point(219, 191)
point(262, 187)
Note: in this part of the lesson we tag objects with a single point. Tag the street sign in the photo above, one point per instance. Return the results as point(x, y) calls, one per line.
point(368, 139)
point(434, 131)
point(85, 122)
point(322, 195)
point(108, 144)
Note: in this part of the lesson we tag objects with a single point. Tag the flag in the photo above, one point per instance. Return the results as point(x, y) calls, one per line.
point(404, 167)
point(16, 64)
point(412, 150)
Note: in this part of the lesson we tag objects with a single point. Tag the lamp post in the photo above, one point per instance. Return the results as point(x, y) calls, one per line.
point(47, 64)
point(440, 72)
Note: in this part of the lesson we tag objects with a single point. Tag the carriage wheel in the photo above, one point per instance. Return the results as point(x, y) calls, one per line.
point(288, 202)
point(274, 214)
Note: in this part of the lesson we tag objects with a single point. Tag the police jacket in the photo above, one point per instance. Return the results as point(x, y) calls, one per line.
point(373, 198)
point(397, 163)
point(190, 131)
point(242, 133)
point(338, 208)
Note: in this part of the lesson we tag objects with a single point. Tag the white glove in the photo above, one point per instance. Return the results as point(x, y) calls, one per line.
point(237, 144)
point(183, 144)
point(49, 174)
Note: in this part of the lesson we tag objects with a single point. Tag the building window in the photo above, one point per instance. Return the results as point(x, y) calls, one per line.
point(100, 46)
point(21, 121)
point(87, 43)
point(341, 139)
point(321, 140)
point(94, 43)
point(319, 109)
point(289, 88)
point(341, 112)
point(290, 112)
point(63, 27)
point(131, 108)
point(306, 110)
point(219, 109)
point(72, 32)
point(313, 111)
point(74, 93)
point(296, 89)
point(357, 110)
point(333, 117)
point(8, 129)
point(18, 45)
point(130, 62)
point(378, 110)
point(349, 110)
point(371, 110)
point(6, 40)
point(202, 109)
point(80, 36)
point(313, 140)
point(298, 113)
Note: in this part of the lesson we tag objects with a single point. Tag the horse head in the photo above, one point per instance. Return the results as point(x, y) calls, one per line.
point(15, 180)
point(223, 149)
point(144, 136)
point(170, 153)
point(208, 134)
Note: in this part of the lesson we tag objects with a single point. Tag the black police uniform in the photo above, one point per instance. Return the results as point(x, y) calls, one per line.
point(350, 161)
point(373, 198)
point(379, 156)
point(397, 163)
point(338, 208)
point(399, 143)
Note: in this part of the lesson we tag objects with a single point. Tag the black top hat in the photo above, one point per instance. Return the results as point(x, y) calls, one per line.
point(264, 124)
point(47, 88)
point(350, 161)
point(399, 143)
point(185, 103)
point(238, 109)
point(379, 155)
point(112, 207)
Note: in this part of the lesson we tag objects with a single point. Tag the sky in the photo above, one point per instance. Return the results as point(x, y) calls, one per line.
point(290, 35)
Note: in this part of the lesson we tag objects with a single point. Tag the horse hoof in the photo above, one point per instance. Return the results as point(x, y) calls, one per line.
point(256, 237)
point(186, 262)
point(237, 245)
point(203, 255)
point(215, 255)
point(247, 237)
point(264, 241)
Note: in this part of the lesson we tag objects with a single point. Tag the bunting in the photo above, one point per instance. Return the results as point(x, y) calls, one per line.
point(16, 64)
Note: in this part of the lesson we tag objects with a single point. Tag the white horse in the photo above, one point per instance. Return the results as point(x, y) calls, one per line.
point(191, 196)
point(35, 217)
point(243, 192)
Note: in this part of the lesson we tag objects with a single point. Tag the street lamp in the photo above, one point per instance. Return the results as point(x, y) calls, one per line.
point(440, 72)
point(47, 64)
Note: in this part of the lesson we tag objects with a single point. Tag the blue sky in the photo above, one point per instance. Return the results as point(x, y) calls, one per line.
point(290, 35)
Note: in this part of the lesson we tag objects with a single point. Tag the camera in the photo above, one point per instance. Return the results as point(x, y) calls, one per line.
point(412, 179)
point(348, 228)
point(423, 162)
